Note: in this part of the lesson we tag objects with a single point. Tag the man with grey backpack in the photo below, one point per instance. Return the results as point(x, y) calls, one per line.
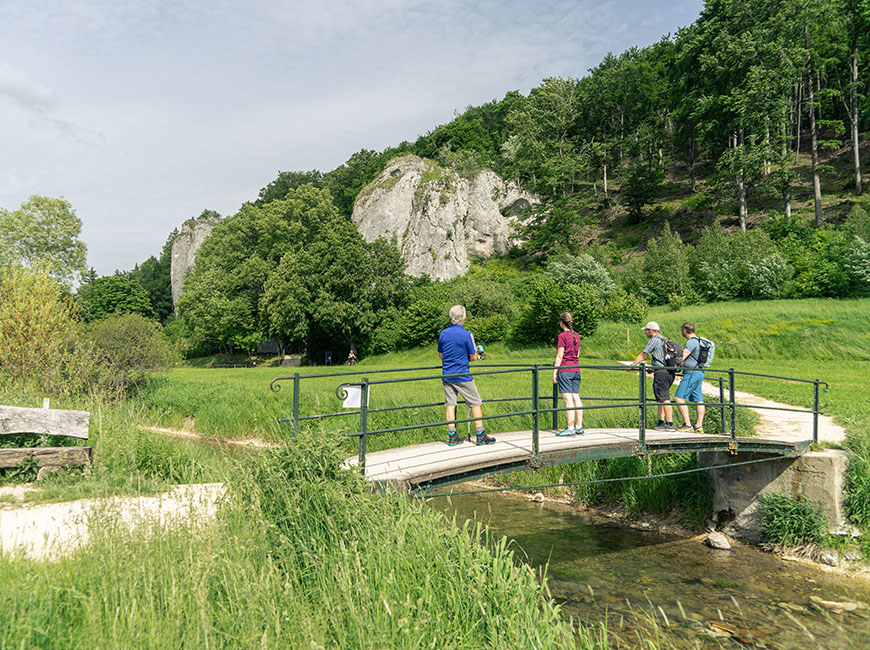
point(697, 353)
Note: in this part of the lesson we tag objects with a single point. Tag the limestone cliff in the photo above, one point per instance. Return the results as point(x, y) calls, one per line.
point(193, 233)
point(436, 218)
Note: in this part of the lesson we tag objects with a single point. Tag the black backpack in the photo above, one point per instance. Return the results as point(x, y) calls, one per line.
point(673, 354)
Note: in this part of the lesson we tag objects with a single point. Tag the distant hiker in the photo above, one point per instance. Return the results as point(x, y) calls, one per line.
point(663, 378)
point(456, 348)
point(690, 385)
point(568, 379)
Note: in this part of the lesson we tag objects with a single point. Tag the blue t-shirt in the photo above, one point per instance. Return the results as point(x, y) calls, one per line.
point(455, 343)
point(693, 344)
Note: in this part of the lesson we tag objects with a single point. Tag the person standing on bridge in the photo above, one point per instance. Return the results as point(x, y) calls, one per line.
point(663, 378)
point(568, 379)
point(456, 348)
point(690, 385)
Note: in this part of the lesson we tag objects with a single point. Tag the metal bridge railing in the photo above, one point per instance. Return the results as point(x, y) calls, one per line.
point(642, 403)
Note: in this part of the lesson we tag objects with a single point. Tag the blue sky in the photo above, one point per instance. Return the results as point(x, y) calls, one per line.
point(142, 113)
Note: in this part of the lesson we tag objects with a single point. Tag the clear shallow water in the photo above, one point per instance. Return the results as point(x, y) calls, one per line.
point(601, 571)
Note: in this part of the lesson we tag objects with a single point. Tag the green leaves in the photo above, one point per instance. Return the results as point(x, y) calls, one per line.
point(44, 232)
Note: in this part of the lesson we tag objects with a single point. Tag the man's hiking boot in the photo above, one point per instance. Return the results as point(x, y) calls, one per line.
point(483, 439)
point(454, 439)
point(566, 432)
point(699, 429)
point(686, 428)
point(579, 431)
point(662, 426)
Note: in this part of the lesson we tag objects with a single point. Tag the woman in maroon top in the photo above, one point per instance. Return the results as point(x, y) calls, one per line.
point(567, 378)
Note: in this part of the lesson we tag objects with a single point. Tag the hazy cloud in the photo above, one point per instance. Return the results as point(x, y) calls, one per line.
point(144, 112)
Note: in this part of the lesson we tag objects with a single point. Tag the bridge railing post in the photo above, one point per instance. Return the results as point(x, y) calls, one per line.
point(363, 423)
point(816, 412)
point(555, 406)
point(733, 406)
point(536, 424)
point(296, 387)
point(721, 405)
point(641, 391)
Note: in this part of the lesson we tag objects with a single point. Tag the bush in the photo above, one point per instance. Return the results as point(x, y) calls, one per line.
point(388, 336)
point(132, 347)
point(422, 321)
point(540, 318)
point(581, 269)
point(489, 329)
point(624, 307)
point(676, 301)
point(743, 265)
point(858, 266)
point(37, 326)
point(665, 267)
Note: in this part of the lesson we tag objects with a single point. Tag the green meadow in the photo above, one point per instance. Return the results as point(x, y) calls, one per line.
point(303, 554)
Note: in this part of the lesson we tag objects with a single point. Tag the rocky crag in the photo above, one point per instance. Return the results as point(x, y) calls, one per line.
point(193, 233)
point(437, 219)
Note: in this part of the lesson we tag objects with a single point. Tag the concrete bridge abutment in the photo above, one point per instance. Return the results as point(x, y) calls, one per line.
point(818, 477)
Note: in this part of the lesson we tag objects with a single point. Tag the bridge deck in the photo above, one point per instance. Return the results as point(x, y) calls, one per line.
point(436, 463)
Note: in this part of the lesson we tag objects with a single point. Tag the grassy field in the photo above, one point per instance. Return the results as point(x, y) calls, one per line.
point(302, 554)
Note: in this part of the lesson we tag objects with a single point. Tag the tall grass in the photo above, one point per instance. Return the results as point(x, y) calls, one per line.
point(301, 555)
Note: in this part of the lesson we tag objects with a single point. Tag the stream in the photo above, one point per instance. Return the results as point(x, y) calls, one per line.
point(644, 583)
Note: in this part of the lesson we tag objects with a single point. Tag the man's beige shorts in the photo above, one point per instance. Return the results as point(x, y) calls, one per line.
point(465, 388)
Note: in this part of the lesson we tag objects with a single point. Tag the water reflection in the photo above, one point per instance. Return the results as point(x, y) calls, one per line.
point(696, 596)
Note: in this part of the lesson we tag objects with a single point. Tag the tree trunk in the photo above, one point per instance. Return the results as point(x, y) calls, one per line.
point(853, 119)
point(814, 152)
point(741, 188)
point(605, 180)
point(692, 163)
point(797, 145)
point(766, 166)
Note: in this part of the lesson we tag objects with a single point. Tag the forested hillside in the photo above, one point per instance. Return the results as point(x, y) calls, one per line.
point(722, 162)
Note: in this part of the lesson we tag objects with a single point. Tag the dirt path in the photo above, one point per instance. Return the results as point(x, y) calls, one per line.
point(44, 531)
point(189, 434)
point(782, 425)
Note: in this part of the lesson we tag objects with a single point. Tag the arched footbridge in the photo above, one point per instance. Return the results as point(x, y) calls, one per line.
point(402, 442)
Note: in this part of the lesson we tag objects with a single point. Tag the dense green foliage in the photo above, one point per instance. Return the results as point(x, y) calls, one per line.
point(44, 233)
point(110, 295)
point(295, 269)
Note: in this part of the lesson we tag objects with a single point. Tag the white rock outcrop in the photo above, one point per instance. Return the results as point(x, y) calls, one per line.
point(437, 219)
point(189, 239)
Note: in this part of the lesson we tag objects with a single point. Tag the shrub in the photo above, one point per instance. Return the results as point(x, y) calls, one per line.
point(665, 267)
point(699, 201)
point(743, 265)
point(858, 266)
point(624, 307)
point(767, 278)
point(540, 318)
point(489, 329)
point(581, 269)
point(789, 521)
point(132, 348)
point(37, 325)
point(388, 336)
point(676, 301)
point(422, 321)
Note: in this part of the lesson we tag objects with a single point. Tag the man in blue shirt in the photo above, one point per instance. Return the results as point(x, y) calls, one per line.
point(690, 387)
point(456, 348)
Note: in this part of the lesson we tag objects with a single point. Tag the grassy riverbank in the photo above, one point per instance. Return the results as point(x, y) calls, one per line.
point(300, 555)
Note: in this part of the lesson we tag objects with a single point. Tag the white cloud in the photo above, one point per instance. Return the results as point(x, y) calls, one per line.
point(28, 94)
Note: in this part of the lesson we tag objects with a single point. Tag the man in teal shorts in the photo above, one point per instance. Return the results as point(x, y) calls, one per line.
point(690, 387)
